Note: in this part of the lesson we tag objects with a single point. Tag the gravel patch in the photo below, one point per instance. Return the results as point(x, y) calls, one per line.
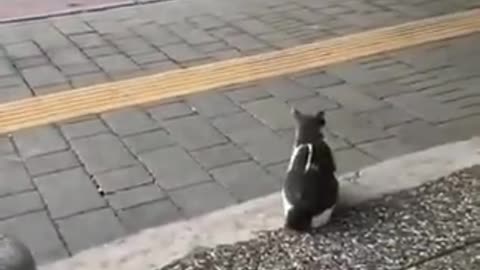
point(399, 231)
point(465, 259)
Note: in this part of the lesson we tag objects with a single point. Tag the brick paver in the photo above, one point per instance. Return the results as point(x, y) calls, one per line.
point(69, 186)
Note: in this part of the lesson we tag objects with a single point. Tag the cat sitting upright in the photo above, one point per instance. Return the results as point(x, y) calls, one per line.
point(310, 190)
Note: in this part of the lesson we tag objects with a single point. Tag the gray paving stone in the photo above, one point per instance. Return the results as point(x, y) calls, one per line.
point(102, 152)
point(278, 170)
point(349, 160)
point(148, 141)
point(207, 21)
point(212, 104)
point(83, 128)
point(89, 40)
point(386, 89)
point(50, 163)
point(356, 74)
point(78, 69)
point(173, 168)
point(6, 67)
point(244, 42)
point(432, 82)
point(191, 34)
point(286, 90)
point(67, 56)
point(268, 149)
point(385, 149)
point(353, 128)
point(193, 63)
point(172, 110)
point(160, 66)
point(317, 79)
point(424, 107)
point(213, 47)
point(37, 232)
point(133, 46)
point(307, 16)
point(220, 155)
point(201, 198)
point(312, 105)
point(246, 180)
point(70, 26)
point(194, 132)
point(242, 128)
point(13, 176)
point(425, 59)
point(10, 81)
point(387, 117)
point(182, 52)
point(272, 112)
point(461, 129)
point(224, 32)
point(90, 229)
point(116, 64)
point(247, 94)
point(68, 192)
point(6, 146)
point(43, 76)
point(279, 40)
point(82, 80)
point(18, 204)
point(418, 77)
point(225, 54)
point(29, 62)
point(253, 26)
point(100, 51)
point(123, 178)
point(39, 141)
point(148, 58)
point(352, 99)
point(107, 27)
point(159, 36)
point(129, 121)
point(420, 135)
point(135, 196)
point(38, 91)
point(22, 50)
point(149, 215)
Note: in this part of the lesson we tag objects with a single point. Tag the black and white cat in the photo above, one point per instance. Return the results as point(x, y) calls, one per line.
point(310, 190)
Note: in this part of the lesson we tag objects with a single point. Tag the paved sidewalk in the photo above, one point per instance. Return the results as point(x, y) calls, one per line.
point(67, 187)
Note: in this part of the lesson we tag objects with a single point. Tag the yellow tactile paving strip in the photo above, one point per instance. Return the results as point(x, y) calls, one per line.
point(56, 107)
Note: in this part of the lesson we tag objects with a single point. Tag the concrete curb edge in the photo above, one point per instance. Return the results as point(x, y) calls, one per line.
point(156, 247)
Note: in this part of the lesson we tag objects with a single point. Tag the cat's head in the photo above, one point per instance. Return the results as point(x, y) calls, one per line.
point(308, 128)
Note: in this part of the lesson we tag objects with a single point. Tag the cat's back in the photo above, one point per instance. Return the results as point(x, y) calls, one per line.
point(312, 189)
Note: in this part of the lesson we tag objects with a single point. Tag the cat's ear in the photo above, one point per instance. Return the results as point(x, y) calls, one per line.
point(297, 115)
point(320, 117)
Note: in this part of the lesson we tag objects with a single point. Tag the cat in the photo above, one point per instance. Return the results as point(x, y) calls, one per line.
point(14, 255)
point(310, 190)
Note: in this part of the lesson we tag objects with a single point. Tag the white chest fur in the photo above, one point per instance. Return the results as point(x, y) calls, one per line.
point(286, 204)
point(322, 218)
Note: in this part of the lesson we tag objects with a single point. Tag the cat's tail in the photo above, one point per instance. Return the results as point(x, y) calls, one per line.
point(298, 219)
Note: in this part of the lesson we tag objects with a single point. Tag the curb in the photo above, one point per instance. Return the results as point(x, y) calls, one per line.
point(77, 10)
point(157, 247)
